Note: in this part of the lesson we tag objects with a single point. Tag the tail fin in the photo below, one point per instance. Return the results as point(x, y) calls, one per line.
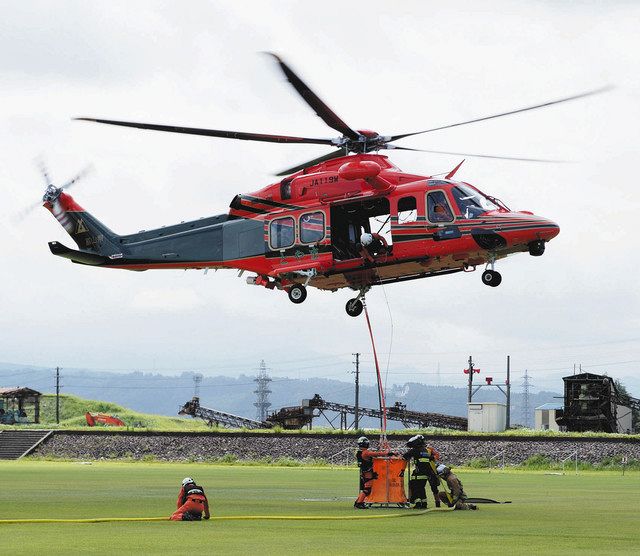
point(88, 232)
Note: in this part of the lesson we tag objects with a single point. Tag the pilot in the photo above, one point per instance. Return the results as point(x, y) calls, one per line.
point(374, 245)
point(441, 214)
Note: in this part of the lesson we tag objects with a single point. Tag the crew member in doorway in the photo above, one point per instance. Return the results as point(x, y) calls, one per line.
point(365, 463)
point(192, 502)
point(456, 498)
point(424, 461)
point(373, 245)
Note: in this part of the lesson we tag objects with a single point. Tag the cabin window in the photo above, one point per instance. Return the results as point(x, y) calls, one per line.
point(407, 210)
point(312, 227)
point(438, 209)
point(282, 233)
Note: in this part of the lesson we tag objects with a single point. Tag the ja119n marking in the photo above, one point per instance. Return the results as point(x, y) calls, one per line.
point(339, 221)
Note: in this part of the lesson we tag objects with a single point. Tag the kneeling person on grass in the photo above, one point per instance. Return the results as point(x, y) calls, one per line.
point(456, 499)
point(192, 502)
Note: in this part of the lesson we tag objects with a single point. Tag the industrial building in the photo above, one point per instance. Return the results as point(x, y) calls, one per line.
point(593, 403)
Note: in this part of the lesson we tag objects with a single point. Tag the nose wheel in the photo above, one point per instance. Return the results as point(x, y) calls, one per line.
point(491, 278)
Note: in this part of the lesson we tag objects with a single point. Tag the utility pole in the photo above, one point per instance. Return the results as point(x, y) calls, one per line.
point(508, 423)
point(525, 398)
point(356, 421)
point(470, 379)
point(58, 395)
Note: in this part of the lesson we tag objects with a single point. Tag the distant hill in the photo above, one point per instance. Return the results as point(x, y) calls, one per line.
point(164, 394)
point(73, 409)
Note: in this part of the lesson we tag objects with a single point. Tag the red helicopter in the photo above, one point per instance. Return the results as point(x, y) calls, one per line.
point(337, 221)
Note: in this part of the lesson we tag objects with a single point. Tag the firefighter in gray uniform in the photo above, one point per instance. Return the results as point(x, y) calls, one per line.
point(456, 498)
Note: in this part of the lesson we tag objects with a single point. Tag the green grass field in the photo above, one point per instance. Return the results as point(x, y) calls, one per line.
point(595, 513)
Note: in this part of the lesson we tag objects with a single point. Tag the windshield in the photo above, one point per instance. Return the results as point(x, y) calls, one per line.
point(471, 202)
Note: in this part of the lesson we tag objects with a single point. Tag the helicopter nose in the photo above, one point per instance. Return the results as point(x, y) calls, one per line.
point(544, 230)
point(550, 230)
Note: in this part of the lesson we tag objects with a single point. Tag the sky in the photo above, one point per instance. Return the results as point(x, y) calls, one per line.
point(393, 67)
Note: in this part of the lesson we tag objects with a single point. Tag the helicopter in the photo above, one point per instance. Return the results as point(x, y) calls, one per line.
point(347, 219)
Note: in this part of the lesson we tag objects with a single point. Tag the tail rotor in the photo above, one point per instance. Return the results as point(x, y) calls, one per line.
point(52, 192)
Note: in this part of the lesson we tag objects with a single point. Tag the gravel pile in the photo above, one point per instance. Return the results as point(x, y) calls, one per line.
point(204, 447)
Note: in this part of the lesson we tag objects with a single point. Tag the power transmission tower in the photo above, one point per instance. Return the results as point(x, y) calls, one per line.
point(526, 385)
point(262, 392)
point(356, 421)
point(197, 379)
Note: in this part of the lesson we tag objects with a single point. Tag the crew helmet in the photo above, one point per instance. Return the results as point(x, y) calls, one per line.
point(415, 441)
point(366, 238)
point(188, 481)
point(363, 442)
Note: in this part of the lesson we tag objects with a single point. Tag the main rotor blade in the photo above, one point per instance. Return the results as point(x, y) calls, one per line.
point(394, 147)
point(214, 132)
point(324, 158)
point(550, 103)
point(321, 109)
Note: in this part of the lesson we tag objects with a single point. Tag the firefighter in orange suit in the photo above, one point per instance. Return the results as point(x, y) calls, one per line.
point(365, 463)
point(192, 502)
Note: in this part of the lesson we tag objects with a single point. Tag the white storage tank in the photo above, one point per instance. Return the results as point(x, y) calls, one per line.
point(487, 416)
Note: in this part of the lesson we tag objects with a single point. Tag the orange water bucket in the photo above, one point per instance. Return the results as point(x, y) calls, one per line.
point(388, 485)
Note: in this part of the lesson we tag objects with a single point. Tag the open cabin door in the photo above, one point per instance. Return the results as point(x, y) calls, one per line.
point(350, 220)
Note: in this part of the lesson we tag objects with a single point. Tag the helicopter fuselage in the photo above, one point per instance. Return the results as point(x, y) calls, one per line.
point(308, 230)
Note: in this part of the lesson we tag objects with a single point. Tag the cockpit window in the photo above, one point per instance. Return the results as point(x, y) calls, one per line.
point(438, 209)
point(471, 203)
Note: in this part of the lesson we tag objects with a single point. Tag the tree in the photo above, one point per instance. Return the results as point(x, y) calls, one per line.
point(625, 399)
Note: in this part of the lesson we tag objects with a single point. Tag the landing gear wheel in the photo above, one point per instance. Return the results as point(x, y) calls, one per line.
point(491, 278)
point(536, 248)
point(354, 307)
point(297, 293)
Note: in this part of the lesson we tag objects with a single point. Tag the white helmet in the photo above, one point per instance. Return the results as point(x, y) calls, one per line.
point(443, 470)
point(366, 239)
point(187, 481)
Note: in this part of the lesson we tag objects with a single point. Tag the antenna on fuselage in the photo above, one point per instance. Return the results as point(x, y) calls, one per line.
point(452, 173)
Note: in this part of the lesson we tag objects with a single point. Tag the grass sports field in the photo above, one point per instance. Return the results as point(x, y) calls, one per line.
point(594, 512)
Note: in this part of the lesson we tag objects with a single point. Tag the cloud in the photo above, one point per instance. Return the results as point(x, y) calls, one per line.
point(166, 300)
